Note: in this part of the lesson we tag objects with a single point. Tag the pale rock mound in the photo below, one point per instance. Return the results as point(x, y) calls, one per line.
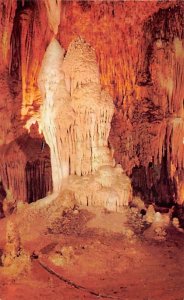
point(15, 260)
point(108, 187)
point(138, 203)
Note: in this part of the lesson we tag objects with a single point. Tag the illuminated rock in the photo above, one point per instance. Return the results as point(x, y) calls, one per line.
point(53, 13)
point(108, 187)
point(76, 117)
point(56, 115)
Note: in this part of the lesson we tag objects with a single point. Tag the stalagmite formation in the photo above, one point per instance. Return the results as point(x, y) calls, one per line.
point(109, 187)
point(57, 114)
point(93, 110)
point(76, 117)
point(13, 245)
point(15, 259)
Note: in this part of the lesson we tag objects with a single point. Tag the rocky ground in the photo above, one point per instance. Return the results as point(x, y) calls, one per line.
point(92, 254)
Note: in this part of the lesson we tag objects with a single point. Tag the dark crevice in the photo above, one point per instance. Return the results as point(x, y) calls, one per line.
point(165, 25)
point(153, 184)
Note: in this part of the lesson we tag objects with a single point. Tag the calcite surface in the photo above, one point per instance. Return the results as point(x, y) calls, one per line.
point(56, 115)
point(75, 119)
point(93, 110)
point(109, 188)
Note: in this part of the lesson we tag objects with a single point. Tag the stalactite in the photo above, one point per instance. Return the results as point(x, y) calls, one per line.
point(20, 169)
point(53, 13)
point(7, 13)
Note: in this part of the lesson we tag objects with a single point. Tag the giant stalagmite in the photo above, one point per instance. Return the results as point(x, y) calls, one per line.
point(75, 119)
point(56, 114)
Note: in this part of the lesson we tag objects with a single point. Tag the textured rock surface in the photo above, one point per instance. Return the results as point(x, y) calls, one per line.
point(139, 47)
point(25, 171)
point(56, 115)
point(108, 187)
point(93, 110)
point(16, 261)
point(25, 168)
point(75, 120)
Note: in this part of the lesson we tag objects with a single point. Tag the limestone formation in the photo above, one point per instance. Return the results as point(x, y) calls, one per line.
point(57, 115)
point(76, 118)
point(25, 169)
point(176, 222)
point(13, 245)
point(150, 214)
point(15, 260)
point(108, 187)
point(62, 255)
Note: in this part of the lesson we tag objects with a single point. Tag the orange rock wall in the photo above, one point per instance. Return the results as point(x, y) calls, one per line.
point(25, 169)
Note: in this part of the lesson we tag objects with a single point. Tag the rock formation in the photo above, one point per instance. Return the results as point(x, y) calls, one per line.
point(56, 115)
point(13, 245)
point(75, 120)
point(93, 109)
point(53, 12)
point(15, 260)
point(25, 168)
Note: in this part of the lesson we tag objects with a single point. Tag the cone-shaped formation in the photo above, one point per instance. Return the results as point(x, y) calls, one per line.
point(56, 113)
point(93, 110)
point(76, 118)
point(80, 65)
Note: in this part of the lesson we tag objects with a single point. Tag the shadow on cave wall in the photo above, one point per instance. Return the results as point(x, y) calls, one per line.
point(154, 182)
point(154, 185)
point(25, 168)
point(2, 197)
point(164, 25)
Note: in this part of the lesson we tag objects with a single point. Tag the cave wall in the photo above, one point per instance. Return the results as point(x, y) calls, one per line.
point(139, 48)
point(25, 171)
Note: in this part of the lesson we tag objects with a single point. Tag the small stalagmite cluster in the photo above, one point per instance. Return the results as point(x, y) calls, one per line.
point(75, 119)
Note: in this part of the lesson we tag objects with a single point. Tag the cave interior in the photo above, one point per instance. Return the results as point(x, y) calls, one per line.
point(92, 118)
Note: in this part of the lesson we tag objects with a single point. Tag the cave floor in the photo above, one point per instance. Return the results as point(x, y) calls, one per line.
point(89, 256)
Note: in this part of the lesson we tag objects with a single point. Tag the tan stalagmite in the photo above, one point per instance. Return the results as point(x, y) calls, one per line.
point(16, 261)
point(93, 110)
point(76, 119)
point(80, 65)
point(56, 114)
